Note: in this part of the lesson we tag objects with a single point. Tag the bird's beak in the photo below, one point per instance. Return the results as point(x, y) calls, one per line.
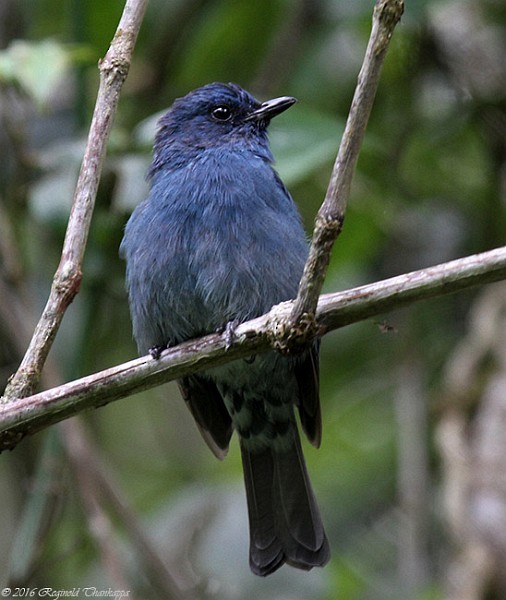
point(271, 108)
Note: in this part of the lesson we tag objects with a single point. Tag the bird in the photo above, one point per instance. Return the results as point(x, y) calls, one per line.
point(217, 241)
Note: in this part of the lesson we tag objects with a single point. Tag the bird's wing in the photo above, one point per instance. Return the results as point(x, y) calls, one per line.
point(307, 373)
point(208, 409)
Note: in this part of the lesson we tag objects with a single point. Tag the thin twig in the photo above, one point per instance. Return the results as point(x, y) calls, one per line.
point(31, 414)
point(67, 280)
point(330, 217)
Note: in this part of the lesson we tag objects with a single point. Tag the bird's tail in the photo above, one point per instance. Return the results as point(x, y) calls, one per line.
point(284, 520)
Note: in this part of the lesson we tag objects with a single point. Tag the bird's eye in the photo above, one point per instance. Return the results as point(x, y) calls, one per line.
point(221, 113)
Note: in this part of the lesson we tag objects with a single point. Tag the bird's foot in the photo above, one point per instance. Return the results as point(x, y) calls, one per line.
point(229, 332)
point(156, 351)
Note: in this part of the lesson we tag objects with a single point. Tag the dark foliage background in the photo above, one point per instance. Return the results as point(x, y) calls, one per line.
point(430, 186)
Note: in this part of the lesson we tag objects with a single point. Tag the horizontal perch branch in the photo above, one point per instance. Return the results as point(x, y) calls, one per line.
point(20, 417)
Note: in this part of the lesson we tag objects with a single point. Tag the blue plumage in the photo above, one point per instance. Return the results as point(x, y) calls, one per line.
point(219, 239)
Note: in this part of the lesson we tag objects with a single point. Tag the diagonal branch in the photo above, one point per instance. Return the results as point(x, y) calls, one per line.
point(28, 415)
point(67, 280)
point(330, 217)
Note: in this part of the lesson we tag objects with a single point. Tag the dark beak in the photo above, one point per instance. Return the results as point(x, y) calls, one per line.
point(271, 108)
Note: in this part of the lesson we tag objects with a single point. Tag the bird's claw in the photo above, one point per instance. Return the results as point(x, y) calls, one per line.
point(229, 332)
point(156, 351)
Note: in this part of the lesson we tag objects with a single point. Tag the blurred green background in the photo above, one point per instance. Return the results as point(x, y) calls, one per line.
point(129, 493)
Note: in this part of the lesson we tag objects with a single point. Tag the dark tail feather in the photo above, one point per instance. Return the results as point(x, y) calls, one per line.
point(285, 523)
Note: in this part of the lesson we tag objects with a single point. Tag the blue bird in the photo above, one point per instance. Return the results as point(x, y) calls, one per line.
point(219, 240)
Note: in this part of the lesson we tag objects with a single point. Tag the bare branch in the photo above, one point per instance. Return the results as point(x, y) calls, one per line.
point(28, 415)
point(67, 280)
point(330, 217)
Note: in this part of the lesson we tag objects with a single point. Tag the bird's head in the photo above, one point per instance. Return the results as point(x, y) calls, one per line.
point(216, 114)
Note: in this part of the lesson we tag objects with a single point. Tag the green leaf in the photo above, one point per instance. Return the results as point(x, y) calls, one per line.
point(304, 140)
point(36, 66)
